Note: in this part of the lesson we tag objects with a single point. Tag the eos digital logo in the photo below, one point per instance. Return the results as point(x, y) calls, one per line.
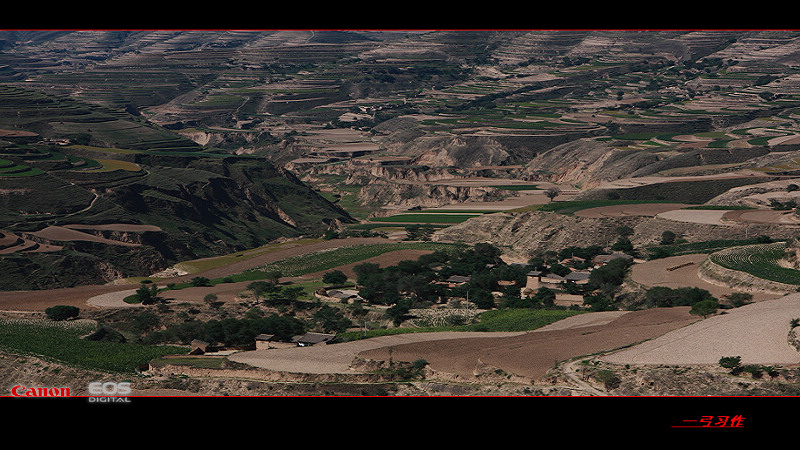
point(109, 392)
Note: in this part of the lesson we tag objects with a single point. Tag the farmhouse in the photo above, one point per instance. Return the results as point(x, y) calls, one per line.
point(265, 341)
point(577, 277)
point(456, 280)
point(534, 279)
point(199, 347)
point(601, 260)
point(348, 295)
point(551, 280)
point(309, 339)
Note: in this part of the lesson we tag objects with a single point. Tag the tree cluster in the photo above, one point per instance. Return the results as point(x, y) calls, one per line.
point(229, 331)
point(416, 282)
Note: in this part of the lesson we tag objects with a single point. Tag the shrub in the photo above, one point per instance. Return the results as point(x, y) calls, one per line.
point(609, 379)
point(754, 370)
point(738, 299)
point(419, 364)
point(668, 238)
point(62, 312)
point(664, 297)
point(729, 362)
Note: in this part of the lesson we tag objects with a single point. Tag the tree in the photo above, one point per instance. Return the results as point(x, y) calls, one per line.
point(200, 281)
point(624, 231)
point(260, 288)
point(704, 308)
point(62, 312)
point(292, 293)
point(623, 244)
point(331, 320)
point(730, 362)
point(667, 238)
point(211, 300)
point(334, 277)
point(665, 297)
point(364, 270)
point(273, 276)
point(419, 232)
point(145, 321)
point(552, 192)
point(546, 296)
point(147, 295)
point(738, 299)
point(399, 311)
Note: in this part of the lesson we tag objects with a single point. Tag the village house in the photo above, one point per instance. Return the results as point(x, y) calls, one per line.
point(601, 260)
point(309, 339)
point(578, 277)
point(536, 280)
point(345, 295)
point(572, 260)
point(551, 280)
point(455, 280)
point(199, 347)
point(533, 280)
point(267, 341)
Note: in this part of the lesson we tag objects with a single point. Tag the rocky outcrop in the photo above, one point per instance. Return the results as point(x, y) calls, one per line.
point(759, 195)
point(425, 195)
point(587, 162)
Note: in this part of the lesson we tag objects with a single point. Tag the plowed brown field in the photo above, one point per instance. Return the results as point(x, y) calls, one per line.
point(533, 354)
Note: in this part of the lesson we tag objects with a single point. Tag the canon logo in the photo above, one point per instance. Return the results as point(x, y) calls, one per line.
point(24, 391)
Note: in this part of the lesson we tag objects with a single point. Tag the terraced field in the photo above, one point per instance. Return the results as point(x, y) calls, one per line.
point(760, 260)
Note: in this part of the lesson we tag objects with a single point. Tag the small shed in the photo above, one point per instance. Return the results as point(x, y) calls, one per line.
point(199, 347)
point(264, 340)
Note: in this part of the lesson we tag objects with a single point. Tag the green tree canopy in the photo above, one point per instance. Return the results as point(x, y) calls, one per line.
point(704, 308)
point(62, 312)
point(334, 277)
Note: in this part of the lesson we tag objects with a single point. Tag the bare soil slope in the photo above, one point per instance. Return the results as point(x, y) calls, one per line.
point(533, 354)
point(757, 332)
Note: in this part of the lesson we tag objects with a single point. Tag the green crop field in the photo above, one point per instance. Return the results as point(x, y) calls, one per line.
point(687, 248)
point(426, 218)
point(571, 206)
point(62, 342)
point(760, 260)
point(505, 320)
point(324, 260)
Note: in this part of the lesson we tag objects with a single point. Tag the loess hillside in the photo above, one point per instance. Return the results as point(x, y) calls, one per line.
point(221, 140)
